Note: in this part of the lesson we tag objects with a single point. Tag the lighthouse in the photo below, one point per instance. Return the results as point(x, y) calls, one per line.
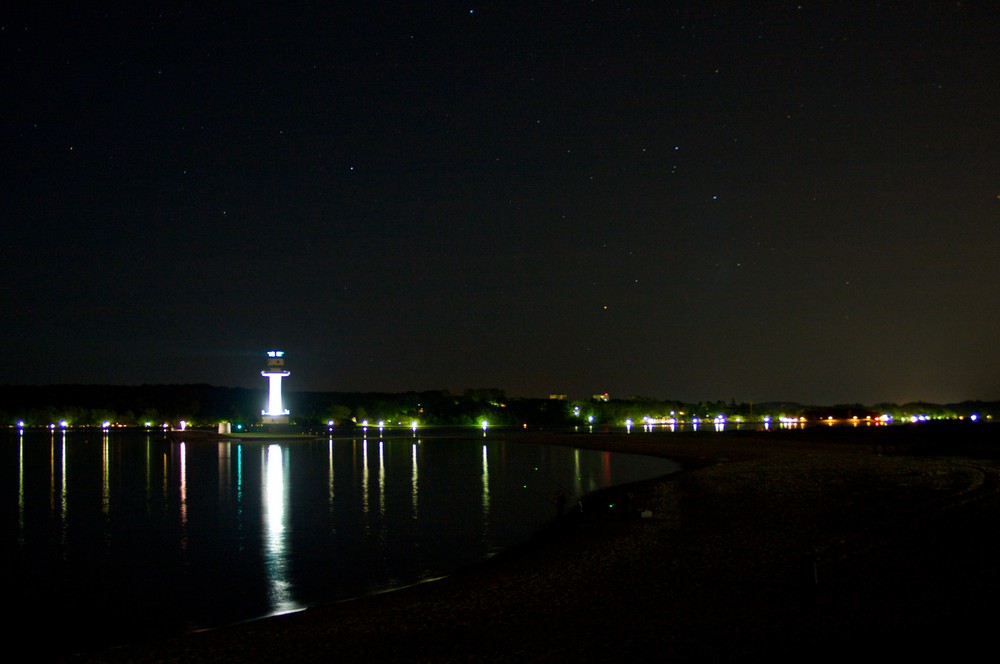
point(275, 413)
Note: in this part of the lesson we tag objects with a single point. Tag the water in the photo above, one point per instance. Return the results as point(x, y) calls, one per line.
point(112, 538)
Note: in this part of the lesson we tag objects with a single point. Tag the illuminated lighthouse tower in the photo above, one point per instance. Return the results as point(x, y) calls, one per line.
point(275, 371)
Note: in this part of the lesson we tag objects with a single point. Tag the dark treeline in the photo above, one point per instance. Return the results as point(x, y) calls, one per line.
point(90, 405)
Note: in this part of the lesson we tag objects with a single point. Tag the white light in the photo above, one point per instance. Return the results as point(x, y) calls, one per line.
point(274, 405)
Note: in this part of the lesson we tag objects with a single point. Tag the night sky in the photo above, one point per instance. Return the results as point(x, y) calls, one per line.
point(683, 200)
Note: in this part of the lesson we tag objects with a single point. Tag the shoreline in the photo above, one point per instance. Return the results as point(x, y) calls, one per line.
point(764, 544)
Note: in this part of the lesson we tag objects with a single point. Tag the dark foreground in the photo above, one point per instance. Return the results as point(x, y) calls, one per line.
point(806, 545)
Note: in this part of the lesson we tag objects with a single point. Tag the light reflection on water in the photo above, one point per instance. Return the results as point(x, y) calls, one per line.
point(275, 555)
point(124, 536)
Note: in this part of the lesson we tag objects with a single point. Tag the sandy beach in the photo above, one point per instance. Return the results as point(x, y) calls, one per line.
point(790, 545)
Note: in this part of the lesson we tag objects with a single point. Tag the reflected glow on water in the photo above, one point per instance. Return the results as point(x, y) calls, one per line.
point(118, 536)
point(275, 554)
point(486, 482)
point(414, 480)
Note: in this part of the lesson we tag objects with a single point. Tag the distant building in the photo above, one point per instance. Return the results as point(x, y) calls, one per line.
point(601, 397)
point(558, 397)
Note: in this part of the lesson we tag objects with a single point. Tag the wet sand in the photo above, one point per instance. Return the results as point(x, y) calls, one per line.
point(817, 544)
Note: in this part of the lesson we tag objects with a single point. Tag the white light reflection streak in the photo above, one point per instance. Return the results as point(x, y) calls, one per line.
point(275, 555)
point(63, 492)
point(20, 490)
point(330, 490)
point(414, 484)
point(381, 480)
point(105, 475)
point(182, 451)
point(486, 490)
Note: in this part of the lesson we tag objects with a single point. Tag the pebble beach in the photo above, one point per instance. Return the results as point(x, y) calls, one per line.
point(813, 544)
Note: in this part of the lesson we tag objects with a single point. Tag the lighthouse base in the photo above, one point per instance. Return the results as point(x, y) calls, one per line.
point(277, 424)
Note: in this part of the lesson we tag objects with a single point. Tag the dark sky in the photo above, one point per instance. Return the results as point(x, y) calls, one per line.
point(687, 200)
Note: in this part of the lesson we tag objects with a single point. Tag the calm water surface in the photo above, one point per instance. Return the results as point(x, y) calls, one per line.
point(113, 538)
